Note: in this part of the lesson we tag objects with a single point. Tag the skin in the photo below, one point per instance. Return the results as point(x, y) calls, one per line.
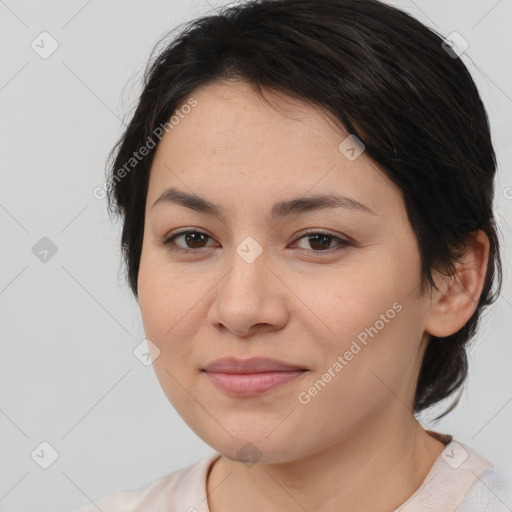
point(294, 303)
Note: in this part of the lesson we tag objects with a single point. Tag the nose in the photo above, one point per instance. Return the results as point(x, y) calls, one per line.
point(250, 298)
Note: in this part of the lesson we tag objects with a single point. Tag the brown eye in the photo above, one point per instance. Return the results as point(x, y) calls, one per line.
point(321, 242)
point(194, 241)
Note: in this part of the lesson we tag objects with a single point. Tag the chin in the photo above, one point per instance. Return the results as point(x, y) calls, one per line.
point(252, 450)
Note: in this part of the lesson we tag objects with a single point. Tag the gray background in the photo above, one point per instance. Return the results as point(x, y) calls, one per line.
point(69, 326)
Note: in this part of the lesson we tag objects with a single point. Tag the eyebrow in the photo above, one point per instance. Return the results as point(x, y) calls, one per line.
point(281, 209)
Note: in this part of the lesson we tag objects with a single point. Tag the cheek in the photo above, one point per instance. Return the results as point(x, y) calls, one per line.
point(164, 296)
point(171, 306)
point(166, 312)
point(374, 323)
point(367, 366)
point(359, 299)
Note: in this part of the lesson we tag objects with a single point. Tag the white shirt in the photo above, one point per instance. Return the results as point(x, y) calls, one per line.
point(460, 480)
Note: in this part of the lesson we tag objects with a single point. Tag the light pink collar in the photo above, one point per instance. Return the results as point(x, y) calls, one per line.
point(456, 469)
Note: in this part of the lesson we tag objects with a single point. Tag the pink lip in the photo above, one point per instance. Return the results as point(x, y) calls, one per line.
point(251, 377)
point(252, 365)
point(247, 384)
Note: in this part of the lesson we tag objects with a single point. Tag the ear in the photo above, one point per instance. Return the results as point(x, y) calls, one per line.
point(458, 295)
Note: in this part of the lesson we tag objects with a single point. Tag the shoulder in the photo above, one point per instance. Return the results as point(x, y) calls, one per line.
point(154, 495)
point(491, 492)
point(462, 480)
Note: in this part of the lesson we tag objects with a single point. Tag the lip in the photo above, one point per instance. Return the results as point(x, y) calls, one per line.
point(252, 365)
point(251, 377)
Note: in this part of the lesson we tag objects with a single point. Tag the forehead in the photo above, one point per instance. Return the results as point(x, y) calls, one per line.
point(233, 114)
point(234, 140)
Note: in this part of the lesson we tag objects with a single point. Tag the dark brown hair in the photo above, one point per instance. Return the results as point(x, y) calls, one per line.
point(386, 78)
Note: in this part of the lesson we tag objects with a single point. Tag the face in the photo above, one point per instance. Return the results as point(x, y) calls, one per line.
point(333, 290)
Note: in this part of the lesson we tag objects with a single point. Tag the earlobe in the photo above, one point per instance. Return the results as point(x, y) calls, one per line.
point(458, 297)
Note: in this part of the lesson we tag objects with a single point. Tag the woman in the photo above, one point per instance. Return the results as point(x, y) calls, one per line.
point(306, 190)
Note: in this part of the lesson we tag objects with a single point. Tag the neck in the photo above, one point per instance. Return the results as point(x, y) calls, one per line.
point(377, 469)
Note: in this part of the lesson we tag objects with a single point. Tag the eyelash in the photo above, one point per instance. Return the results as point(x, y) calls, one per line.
point(169, 244)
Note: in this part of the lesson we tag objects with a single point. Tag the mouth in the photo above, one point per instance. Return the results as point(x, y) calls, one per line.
point(251, 377)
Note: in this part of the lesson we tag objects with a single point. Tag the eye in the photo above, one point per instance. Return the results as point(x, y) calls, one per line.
point(194, 240)
point(192, 237)
point(320, 241)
